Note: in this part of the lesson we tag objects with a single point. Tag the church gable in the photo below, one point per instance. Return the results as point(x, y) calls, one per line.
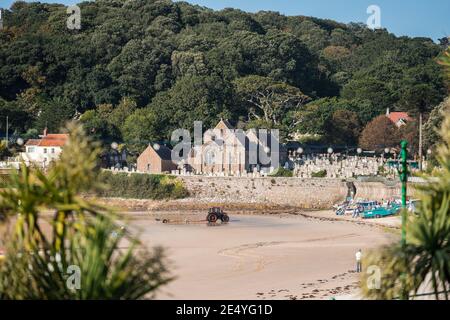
point(224, 125)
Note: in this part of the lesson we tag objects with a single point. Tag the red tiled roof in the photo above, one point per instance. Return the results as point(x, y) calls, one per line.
point(64, 136)
point(33, 142)
point(397, 116)
point(50, 140)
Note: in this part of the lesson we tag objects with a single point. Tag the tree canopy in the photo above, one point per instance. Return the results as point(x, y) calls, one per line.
point(182, 62)
point(380, 133)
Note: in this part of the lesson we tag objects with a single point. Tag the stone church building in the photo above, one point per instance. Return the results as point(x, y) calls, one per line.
point(233, 152)
point(224, 151)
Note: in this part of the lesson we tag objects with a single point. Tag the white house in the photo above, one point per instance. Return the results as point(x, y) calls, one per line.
point(45, 150)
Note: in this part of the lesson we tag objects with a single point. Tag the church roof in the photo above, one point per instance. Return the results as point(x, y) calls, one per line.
point(163, 152)
point(224, 124)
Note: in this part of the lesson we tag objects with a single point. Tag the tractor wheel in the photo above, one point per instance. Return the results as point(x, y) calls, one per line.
point(225, 218)
point(212, 218)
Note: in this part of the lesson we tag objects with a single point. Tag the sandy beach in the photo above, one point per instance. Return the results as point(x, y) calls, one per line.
point(295, 255)
point(260, 257)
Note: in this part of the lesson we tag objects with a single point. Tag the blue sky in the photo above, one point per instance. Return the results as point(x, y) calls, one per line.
point(402, 17)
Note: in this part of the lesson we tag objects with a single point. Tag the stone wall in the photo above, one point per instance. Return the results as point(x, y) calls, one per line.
point(380, 191)
point(295, 192)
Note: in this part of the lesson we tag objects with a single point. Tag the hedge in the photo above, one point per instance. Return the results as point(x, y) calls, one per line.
point(141, 186)
point(319, 174)
point(281, 172)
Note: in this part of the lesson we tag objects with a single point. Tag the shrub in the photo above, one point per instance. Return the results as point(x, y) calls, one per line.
point(141, 186)
point(381, 171)
point(281, 172)
point(4, 180)
point(319, 174)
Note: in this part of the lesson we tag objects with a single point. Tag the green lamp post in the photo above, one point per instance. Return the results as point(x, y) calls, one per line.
point(403, 173)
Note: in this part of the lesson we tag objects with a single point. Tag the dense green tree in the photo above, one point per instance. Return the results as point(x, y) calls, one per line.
point(188, 63)
point(370, 89)
point(313, 35)
point(317, 117)
point(344, 127)
point(4, 150)
point(106, 121)
point(267, 99)
point(96, 125)
point(196, 98)
point(136, 67)
point(341, 37)
point(54, 114)
point(141, 128)
point(18, 119)
point(120, 113)
point(444, 60)
point(421, 98)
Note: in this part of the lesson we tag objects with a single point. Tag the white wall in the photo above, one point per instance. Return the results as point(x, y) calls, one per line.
point(41, 154)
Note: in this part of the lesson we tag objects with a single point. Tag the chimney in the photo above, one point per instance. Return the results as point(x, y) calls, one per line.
point(388, 112)
point(45, 131)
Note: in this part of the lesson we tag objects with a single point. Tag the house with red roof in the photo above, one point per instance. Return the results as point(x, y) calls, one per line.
point(44, 150)
point(398, 118)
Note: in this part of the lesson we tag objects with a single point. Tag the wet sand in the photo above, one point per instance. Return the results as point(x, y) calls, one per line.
point(260, 257)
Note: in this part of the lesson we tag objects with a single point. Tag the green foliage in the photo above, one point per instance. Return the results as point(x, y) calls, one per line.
point(319, 174)
point(421, 98)
point(431, 135)
point(121, 112)
point(81, 234)
point(344, 127)
point(381, 171)
point(4, 151)
point(183, 62)
point(370, 89)
point(338, 120)
point(141, 186)
point(281, 172)
point(444, 60)
point(53, 115)
point(107, 272)
point(268, 100)
point(141, 128)
point(18, 118)
point(4, 180)
point(192, 98)
point(107, 122)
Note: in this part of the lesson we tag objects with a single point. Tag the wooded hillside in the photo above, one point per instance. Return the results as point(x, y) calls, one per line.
point(138, 69)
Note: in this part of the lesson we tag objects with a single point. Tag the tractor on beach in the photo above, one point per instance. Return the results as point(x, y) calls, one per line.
point(215, 214)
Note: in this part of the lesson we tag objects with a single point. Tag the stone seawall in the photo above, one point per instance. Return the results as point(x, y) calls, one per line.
point(380, 191)
point(295, 192)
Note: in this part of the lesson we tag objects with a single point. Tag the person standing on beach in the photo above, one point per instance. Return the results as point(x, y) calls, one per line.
point(358, 256)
